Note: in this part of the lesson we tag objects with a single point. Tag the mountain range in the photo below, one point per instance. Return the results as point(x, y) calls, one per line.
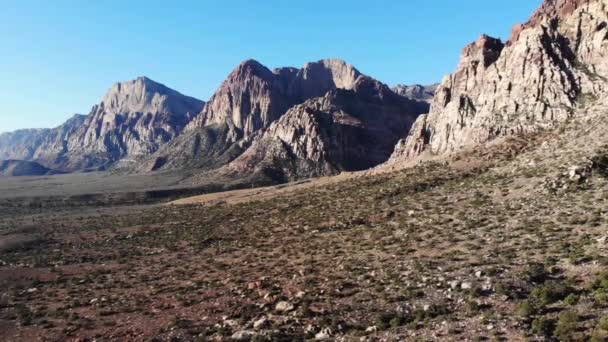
point(327, 117)
point(321, 119)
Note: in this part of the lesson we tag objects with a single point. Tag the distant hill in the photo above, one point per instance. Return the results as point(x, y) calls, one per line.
point(18, 168)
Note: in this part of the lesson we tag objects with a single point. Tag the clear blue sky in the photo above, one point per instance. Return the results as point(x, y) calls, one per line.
point(60, 57)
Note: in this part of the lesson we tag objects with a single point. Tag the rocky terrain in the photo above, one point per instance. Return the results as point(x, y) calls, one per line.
point(551, 67)
point(504, 242)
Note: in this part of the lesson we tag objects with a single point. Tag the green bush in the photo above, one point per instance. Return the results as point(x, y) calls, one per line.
point(602, 281)
point(601, 297)
point(565, 328)
point(527, 308)
point(603, 323)
point(542, 326)
point(550, 292)
point(536, 273)
point(572, 299)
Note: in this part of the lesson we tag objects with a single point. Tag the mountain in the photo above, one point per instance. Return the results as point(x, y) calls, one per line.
point(417, 91)
point(552, 66)
point(43, 145)
point(255, 103)
point(17, 168)
point(135, 118)
point(343, 130)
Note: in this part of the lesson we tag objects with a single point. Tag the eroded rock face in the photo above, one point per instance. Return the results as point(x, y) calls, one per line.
point(553, 65)
point(344, 130)
point(134, 119)
point(253, 96)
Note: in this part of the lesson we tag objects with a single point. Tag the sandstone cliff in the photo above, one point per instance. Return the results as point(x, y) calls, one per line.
point(552, 66)
point(344, 130)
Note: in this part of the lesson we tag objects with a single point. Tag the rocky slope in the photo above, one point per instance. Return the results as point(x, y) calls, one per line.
point(134, 119)
point(416, 91)
point(18, 168)
point(552, 66)
point(254, 99)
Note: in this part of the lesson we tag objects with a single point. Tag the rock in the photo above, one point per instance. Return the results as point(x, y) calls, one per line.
point(466, 285)
point(602, 240)
point(243, 335)
point(260, 323)
point(284, 307)
point(323, 335)
point(454, 284)
point(371, 329)
point(551, 67)
point(478, 274)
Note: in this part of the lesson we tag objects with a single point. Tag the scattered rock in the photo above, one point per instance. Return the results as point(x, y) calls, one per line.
point(284, 307)
point(260, 323)
point(243, 335)
point(466, 285)
point(323, 335)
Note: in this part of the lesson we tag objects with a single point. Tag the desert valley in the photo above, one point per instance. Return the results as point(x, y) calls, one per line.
point(318, 203)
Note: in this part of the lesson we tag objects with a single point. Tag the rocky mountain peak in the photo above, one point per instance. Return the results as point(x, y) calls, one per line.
point(417, 91)
point(317, 78)
point(250, 68)
point(143, 95)
point(484, 50)
point(550, 10)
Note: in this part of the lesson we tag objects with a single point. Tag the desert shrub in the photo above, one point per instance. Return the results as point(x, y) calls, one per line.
point(536, 273)
point(603, 323)
point(528, 308)
point(542, 326)
point(571, 299)
point(565, 328)
point(550, 292)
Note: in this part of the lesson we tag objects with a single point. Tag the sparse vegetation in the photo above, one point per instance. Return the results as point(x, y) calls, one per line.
point(438, 250)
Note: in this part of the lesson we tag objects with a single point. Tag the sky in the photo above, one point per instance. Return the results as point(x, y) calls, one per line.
point(60, 57)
